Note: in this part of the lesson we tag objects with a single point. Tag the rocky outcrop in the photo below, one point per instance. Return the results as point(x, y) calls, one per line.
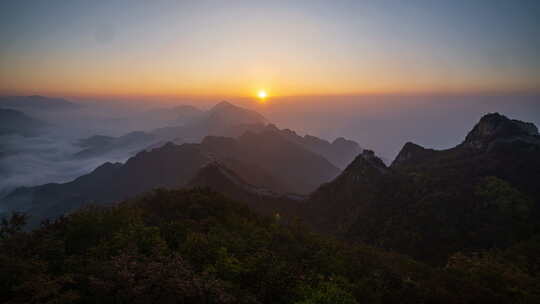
point(367, 162)
point(494, 127)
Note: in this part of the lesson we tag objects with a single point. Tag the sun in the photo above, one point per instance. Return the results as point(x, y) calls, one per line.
point(262, 94)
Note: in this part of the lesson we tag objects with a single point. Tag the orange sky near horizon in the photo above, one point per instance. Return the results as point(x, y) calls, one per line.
point(307, 48)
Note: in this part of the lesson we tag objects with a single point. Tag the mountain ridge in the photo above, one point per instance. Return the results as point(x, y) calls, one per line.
point(431, 203)
point(254, 156)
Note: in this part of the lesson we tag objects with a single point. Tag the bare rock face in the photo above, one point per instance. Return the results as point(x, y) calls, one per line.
point(495, 127)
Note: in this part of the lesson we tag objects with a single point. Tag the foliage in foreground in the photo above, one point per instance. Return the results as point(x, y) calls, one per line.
point(196, 246)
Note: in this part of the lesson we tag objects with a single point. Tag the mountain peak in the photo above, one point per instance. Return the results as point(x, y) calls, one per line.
point(495, 127)
point(222, 105)
point(411, 153)
point(219, 177)
point(343, 142)
point(367, 162)
point(212, 172)
point(226, 113)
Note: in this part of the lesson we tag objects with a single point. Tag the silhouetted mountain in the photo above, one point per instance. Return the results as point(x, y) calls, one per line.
point(36, 102)
point(16, 122)
point(340, 152)
point(224, 119)
point(300, 169)
point(170, 166)
point(412, 153)
point(218, 177)
point(254, 173)
point(481, 194)
point(335, 206)
point(225, 113)
point(495, 128)
point(448, 207)
point(266, 160)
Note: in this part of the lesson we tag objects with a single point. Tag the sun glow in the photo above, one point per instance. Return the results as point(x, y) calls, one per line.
point(262, 94)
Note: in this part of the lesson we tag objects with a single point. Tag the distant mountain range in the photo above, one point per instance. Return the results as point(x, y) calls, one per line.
point(16, 122)
point(36, 102)
point(480, 194)
point(340, 152)
point(265, 159)
point(240, 140)
point(460, 225)
point(224, 119)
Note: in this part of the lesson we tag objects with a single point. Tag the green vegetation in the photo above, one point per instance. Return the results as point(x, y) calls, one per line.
point(197, 246)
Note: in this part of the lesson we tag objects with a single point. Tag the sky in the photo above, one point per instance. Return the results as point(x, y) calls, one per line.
point(288, 48)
